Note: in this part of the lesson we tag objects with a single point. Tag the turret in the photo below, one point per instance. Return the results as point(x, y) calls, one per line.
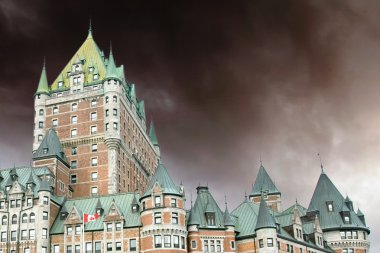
point(44, 206)
point(266, 230)
point(163, 214)
point(264, 188)
point(40, 97)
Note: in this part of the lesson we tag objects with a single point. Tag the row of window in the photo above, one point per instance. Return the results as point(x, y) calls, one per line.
point(94, 148)
point(25, 218)
point(351, 235)
point(212, 246)
point(74, 164)
point(109, 228)
point(269, 243)
point(25, 235)
point(15, 203)
point(169, 241)
point(158, 218)
point(74, 107)
point(158, 203)
point(96, 247)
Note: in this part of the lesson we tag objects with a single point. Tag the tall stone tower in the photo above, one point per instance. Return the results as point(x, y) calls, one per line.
point(99, 122)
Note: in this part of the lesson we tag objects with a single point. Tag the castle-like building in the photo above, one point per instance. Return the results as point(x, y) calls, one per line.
point(97, 184)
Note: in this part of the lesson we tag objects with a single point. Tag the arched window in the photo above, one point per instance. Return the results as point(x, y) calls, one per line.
point(106, 99)
point(74, 107)
point(24, 218)
point(41, 112)
point(4, 220)
point(115, 98)
point(32, 217)
point(14, 219)
point(55, 110)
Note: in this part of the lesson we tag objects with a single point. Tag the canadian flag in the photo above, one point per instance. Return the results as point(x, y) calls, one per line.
point(89, 217)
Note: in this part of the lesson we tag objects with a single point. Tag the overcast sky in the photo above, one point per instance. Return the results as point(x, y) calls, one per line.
point(225, 85)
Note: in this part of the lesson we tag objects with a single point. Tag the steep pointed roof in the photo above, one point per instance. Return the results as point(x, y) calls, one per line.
point(132, 93)
point(112, 71)
point(152, 134)
point(43, 86)
point(50, 146)
point(91, 55)
point(264, 218)
point(227, 218)
point(163, 179)
point(31, 178)
point(142, 109)
point(263, 183)
point(205, 202)
point(359, 212)
point(325, 192)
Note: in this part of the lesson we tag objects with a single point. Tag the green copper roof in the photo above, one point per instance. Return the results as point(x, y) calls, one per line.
point(264, 218)
point(325, 192)
point(245, 218)
point(227, 218)
point(43, 86)
point(123, 201)
point(141, 109)
point(263, 183)
point(163, 179)
point(91, 56)
point(285, 217)
point(45, 186)
point(112, 72)
point(50, 146)
point(152, 134)
point(205, 202)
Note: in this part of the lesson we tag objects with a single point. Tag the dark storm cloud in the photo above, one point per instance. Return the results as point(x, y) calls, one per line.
point(225, 83)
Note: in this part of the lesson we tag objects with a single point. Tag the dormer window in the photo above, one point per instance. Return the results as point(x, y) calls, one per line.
point(95, 77)
point(7, 188)
point(91, 69)
point(45, 151)
point(60, 84)
point(210, 217)
point(264, 194)
point(330, 207)
point(135, 208)
point(157, 201)
point(76, 67)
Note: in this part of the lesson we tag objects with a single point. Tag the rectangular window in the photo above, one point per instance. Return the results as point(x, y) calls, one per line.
point(69, 249)
point(45, 200)
point(32, 234)
point(40, 136)
point(173, 202)
point(94, 147)
point(74, 119)
point(94, 161)
point(93, 103)
point(55, 122)
point(348, 235)
point(56, 249)
point(261, 243)
point(132, 245)
point(157, 201)
point(24, 234)
point(93, 129)
point(73, 164)
point(88, 247)
point(232, 244)
point(183, 245)
point(73, 179)
point(93, 116)
point(77, 248)
point(94, 191)
point(74, 107)
point(3, 236)
point(107, 112)
point(118, 246)
point(157, 218)
point(175, 241)
point(74, 150)
point(107, 126)
point(109, 227)
point(270, 242)
point(175, 218)
point(343, 235)
point(13, 235)
point(73, 133)
point(55, 110)
point(13, 203)
point(44, 233)
point(330, 206)
point(2, 204)
point(109, 246)
point(193, 244)
point(167, 241)
point(118, 226)
point(45, 216)
point(115, 125)
point(40, 124)
point(157, 241)
point(114, 112)
point(77, 230)
point(98, 247)
point(94, 176)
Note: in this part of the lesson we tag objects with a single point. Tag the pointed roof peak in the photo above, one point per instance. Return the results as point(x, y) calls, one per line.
point(43, 86)
point(227, 218)
point(264, 217)
point(50, 145)
point(89, 36)
point(152, 134)
point(111, 71)
point(262, 183)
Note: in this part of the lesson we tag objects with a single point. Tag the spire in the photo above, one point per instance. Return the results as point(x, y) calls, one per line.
point(152, 134)
point(43, 87)
point(50, 146)
point(111, 72)
point(30, 179)
point(320, 160)
point(264, 218)
point(132, 92)
point(227, 216)
point(263, 183)
point(89, 36)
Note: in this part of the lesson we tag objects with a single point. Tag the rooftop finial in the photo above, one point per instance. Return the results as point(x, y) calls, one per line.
point(320, 160)
point(245, 196)
point(191, 199)
point(261, 161)
point(110, 47)
point(225, 199)
point(89, 29)
point(296, 201)
point(44, 63)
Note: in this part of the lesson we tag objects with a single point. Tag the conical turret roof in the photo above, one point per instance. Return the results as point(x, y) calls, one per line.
point(152, 134)
point(50, 146)
point(112, 72)
point(263, 183)
point(264, 218)
point(163, 179)
point(227, 218)
point(43, 86)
